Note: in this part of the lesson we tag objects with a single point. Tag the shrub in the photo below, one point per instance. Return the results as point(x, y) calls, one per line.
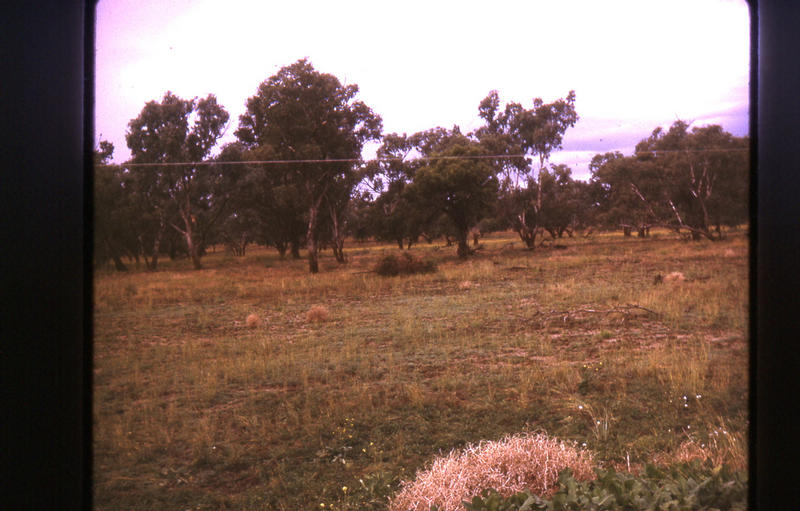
point(511, 465)
point(689, 486)
point(317, 314)
point(403, 264)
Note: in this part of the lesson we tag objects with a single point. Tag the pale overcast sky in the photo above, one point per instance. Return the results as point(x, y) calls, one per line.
point(634, 65)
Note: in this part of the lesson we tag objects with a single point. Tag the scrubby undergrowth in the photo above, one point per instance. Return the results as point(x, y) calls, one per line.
point(403, 264)
point(689, 486)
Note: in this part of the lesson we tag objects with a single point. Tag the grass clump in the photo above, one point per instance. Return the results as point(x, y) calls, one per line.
point(511, 465)
point(253, 321)
point(318, 314)
point(403, 264)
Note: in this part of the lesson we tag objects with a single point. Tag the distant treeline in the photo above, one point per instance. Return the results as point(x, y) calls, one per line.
point(295, 178)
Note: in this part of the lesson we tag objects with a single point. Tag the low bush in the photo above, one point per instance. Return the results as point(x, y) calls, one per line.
point(686, 486)
point(403, 264)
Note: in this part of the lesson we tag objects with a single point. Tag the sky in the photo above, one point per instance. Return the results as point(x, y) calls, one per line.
point(634, 65)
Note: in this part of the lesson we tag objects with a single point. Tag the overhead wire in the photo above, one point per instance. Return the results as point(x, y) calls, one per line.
point(360, 160)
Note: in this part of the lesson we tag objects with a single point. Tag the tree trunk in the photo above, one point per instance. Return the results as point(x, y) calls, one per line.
point(295, 249)
point(281, 246)
point(191, 247)
point(311, 238)
point(193, 252)
point(156, 246)
point(526, 233)
point(528, 236)
point(338, 239)
point(463, 247)
point(118, 264)
point(338, 251)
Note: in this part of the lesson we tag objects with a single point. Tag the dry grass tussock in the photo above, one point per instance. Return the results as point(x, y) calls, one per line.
point(253, 321)
point(510, 465)
point(318, 314)
point(721, 447)
point(675, 276)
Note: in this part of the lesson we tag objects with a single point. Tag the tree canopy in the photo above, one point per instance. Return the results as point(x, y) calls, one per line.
point(161, 134)
point(311, 117)
point(295, 177)
point(534, 132)
point(456, 182)
point(692, 181)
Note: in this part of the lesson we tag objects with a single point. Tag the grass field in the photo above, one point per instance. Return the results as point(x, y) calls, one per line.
point(194, 408)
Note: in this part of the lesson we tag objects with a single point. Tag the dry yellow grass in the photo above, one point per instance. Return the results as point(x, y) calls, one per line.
point(675, 276)
point(513, 464)
point(188, 416)
point(719, 445)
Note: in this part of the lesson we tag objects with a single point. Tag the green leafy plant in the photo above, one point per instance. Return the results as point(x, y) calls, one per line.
point(373, 490)
point(685, 486)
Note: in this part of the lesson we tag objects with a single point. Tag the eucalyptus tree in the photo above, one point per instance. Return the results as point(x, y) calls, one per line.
point(231, 190)
point(314, 122)
point(704, 177)
point(394, 216)
point(619, 181)
point(337, 204)
point(518, 135)
point(560, 200)
point(692, 182)
point(112, 213)
point(266, 204)
point(455, 181)
point(166, 161)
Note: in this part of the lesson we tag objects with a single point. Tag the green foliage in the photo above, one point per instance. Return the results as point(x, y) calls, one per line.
point(178, 196)
point(456, 184)
point(393, 215)
point(685, 486)
point(403, 264)
point(374, 490)
point(114, 217)
point(537, 131)
point(691, 181)
point(302, 114)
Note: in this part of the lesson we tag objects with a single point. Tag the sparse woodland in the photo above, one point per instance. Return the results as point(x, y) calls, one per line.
point(284, 326)
point(294, 179)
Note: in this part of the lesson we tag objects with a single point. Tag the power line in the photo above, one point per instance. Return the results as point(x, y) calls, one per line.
point(359, 160)
point(720, 150)
point(329, 160)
